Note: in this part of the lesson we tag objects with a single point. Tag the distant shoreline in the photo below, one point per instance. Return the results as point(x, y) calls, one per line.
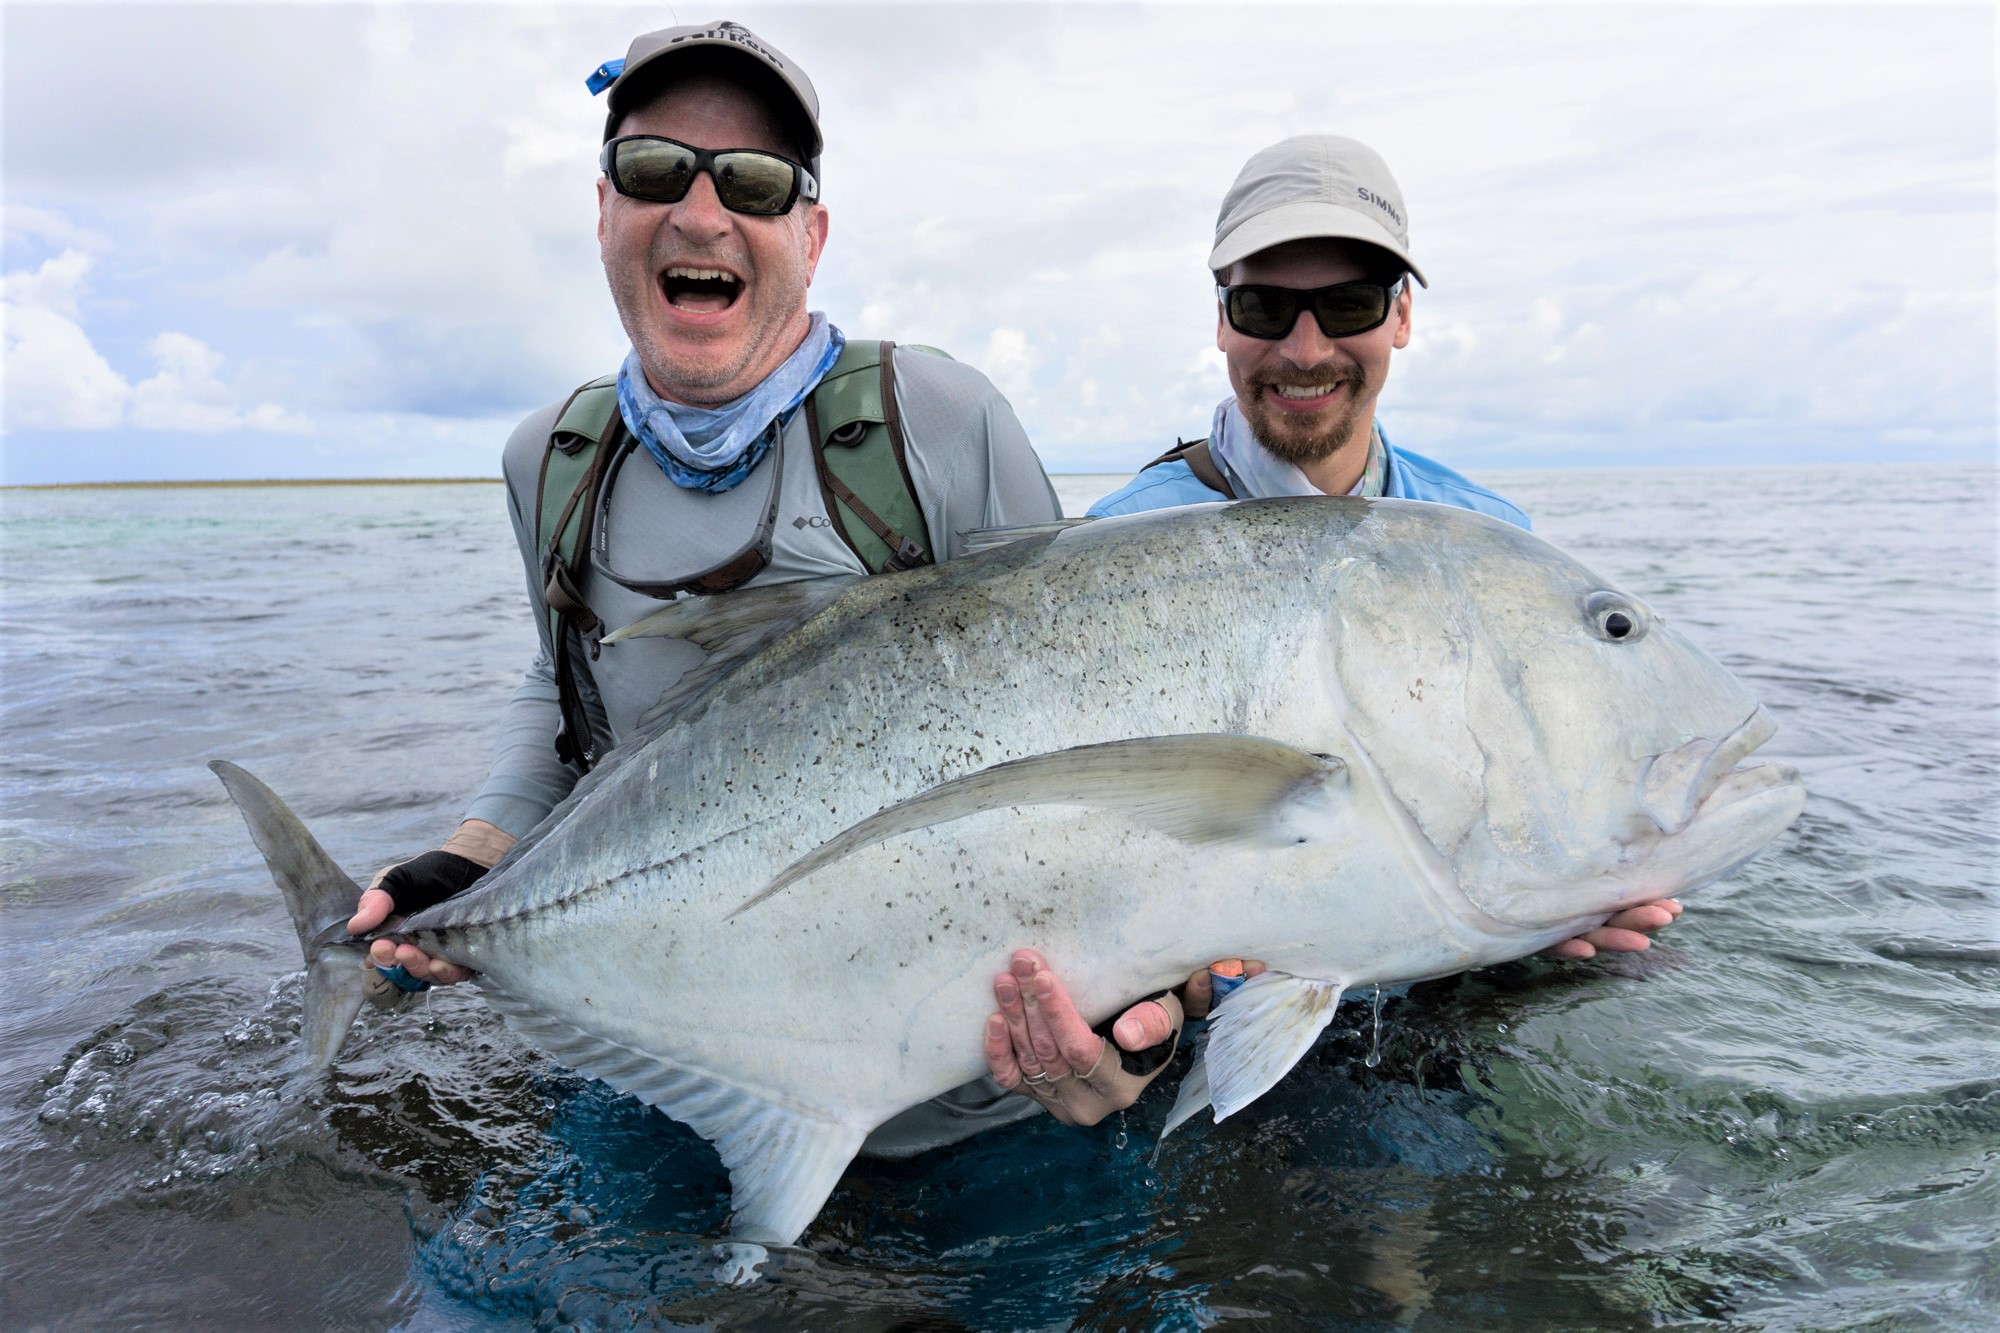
point(308, 481)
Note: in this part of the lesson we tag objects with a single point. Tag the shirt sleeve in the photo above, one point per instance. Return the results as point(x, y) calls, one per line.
point(526, 780)
point(969, 458)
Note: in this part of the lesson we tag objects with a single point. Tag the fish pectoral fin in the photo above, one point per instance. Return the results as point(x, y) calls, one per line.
point(782, 1161)
point(1259, 1033)
point(1200, 788)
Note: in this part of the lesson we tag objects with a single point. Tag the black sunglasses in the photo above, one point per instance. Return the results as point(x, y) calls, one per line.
point(747, 180)
point(1342, 310)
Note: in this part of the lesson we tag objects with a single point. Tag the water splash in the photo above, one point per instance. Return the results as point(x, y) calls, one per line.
point(1374, 1056)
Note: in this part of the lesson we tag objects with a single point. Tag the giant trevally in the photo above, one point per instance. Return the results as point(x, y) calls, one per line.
point(1368, 742)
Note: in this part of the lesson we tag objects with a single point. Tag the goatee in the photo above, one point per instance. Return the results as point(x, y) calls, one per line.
point(1304, 438)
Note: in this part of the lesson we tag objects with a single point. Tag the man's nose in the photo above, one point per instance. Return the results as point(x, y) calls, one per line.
point(1305, 345)
point(700, 214)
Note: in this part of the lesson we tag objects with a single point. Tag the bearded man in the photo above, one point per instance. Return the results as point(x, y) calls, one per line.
point(1313, 276)
point(1312, 268)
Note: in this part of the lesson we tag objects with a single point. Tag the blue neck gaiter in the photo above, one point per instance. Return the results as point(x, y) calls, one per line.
point(713, 448)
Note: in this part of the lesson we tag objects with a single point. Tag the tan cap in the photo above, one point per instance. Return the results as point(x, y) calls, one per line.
point(649, 50)
point(1310, 186)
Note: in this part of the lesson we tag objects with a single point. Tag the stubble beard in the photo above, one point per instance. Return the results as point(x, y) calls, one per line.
point(688, 371)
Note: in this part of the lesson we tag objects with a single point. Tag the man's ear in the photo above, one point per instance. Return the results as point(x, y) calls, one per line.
point(1404, 300)
point(816, 230)
point(603, 187)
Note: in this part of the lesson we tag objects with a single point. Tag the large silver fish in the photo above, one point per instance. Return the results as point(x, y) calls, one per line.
point(1365, 741)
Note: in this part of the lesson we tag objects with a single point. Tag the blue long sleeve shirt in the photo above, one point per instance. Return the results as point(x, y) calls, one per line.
point(1411, 477)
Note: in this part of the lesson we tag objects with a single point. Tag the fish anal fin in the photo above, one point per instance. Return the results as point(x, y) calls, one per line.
point(1191, 1098)
point(1259, 1033)
point(783, 1162)
point(1200, 788)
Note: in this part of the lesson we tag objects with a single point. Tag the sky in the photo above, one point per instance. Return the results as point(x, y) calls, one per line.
point(290, 241)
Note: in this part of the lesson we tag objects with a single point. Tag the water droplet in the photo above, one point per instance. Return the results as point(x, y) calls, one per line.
point(1118, 1141)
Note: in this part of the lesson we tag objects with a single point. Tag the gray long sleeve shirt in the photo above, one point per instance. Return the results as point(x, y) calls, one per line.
point(972, 467)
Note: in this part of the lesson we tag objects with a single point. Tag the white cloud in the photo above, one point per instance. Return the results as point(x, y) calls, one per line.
point(56, 379)
point(185, 393)
point(1010, 362)
point(1639, 221)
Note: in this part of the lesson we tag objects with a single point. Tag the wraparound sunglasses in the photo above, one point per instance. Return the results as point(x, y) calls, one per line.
point(747, 180)
point(1257, 310)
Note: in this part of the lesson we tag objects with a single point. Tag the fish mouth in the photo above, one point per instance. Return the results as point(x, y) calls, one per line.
point(1678, 786)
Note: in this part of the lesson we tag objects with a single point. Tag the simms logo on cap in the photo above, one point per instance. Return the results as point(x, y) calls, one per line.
point(1365, 193)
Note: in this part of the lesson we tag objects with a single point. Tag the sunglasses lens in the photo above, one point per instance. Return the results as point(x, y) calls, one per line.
point(1262, 312)
point(753, 182)
point(653, 169)
point(1352, 307)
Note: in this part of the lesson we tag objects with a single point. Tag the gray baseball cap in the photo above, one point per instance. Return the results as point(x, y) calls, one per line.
point(1311, 186)
point(643, 66)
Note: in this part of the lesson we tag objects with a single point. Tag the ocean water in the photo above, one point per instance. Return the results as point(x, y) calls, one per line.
point(1786, 1115)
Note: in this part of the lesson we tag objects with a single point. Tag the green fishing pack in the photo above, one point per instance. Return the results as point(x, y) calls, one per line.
point(859, 454)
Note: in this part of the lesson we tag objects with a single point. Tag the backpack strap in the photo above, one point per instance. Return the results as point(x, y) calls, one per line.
point(863, 462)
point(585, 434)
point(1200, 462)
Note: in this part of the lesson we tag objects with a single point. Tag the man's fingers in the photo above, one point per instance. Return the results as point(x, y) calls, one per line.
point(1014, 1016)
point(1196, 998)
point(1575, 950)
point(1077, 1046)
point(1000, 1060)
point(371, 911)
point(1144, 1025)
point(1618, 941)
point(1646, 916)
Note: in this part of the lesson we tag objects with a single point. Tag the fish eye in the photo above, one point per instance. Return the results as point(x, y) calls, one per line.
point(1616, 617)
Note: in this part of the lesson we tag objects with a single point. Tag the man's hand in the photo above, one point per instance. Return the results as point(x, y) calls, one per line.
point(1621, 934)
point(1038, 1045)
point(419, 883)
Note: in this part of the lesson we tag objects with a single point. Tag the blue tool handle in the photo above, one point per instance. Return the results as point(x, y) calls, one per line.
point(402, 979)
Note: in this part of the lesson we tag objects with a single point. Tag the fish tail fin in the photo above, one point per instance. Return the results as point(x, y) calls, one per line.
point(321, 897)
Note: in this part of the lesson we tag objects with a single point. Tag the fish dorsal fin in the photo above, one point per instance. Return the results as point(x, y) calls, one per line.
point(1254, 1039)
point(783, 1161)
point(1200, 788)
point(731, 628)
point(987, 539)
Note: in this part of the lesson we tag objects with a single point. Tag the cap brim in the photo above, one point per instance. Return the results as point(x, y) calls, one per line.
point(1306, 219)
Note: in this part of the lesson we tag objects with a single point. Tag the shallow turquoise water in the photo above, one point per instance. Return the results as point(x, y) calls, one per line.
point(1787, 1115)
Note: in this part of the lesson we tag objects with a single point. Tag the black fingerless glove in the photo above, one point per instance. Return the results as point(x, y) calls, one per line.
point(427, 880)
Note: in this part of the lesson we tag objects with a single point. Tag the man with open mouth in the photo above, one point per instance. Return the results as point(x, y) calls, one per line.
point(745, 442)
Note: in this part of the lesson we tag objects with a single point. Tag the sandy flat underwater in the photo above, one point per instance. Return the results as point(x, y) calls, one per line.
point(1787, 1115)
